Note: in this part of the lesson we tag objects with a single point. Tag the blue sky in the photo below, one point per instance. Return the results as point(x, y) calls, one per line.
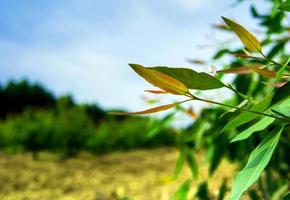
point(82, 47)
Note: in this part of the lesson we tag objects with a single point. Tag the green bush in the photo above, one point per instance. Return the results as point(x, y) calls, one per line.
point(69, 129)
point(127, 134)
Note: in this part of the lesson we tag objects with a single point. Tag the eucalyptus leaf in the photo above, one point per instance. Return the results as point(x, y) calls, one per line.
point(257, 162)
point(161, 80)
point(259, 126)
point(246, 117)
point(222, 190)
point(191, 161)
point(283, 106)
point(285, 6)
point(148, 111)
point(279, 74)
point(191, 78)
point(179, 163)
point(247, 38)
point(182, 192)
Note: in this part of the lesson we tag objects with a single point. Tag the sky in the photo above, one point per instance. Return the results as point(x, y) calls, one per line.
point(83, 47)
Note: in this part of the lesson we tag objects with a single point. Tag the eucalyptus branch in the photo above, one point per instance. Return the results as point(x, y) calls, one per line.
point(243, 109)
point(239, 93)
point(281, 114)
point(268, 59)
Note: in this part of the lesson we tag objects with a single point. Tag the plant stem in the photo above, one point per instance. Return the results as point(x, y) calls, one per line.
point(229, 106)
point(238, 93)
point(269, 60)
point(281, 114)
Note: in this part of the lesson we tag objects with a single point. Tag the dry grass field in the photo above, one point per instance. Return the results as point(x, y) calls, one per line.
point(140, 175)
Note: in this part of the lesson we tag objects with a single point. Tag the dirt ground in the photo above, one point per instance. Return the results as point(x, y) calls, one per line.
point(140, 175)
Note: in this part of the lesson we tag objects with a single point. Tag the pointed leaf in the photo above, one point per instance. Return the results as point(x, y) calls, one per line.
point(182, 192)
point(239, 70)
point(259, 126)
point(279, 74)
point(258, 160)
point(190, 112)
point(285, 6)
point(283, 106)
point(222, 190)
point(196, 61)
point(264, 72)
point(191, 161)
point(161, 80)
point(242, 55)
point(156, 91)
point(246, 117)
point(247, 38)
point(242, 104)
point(270, 74)
point(191, 78)
point(250, 69)
point(149, 111)
point(179, 163)
point(275, 84)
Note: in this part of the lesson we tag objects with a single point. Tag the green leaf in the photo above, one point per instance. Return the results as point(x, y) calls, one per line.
point(258, 160)
point(182, 192)
point(246, 117)
point(283, 106)
point(259, 126)
point(191, 78)
point(191, 161)
point(161, 80)
point(278, 194)
point(279, 74)
point(247, 38)
point(202, 192)
point(222, 190)
point(179, 163)
point(242, 104)
point(285, 6)
point(286, 196)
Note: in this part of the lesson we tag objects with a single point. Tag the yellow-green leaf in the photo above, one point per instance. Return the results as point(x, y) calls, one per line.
point(161, 80)
point(191, 78)
point(247, 38)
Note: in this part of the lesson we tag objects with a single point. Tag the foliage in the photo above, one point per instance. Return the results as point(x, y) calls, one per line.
point(67, 128)
point(16, 96)
point(260, 104)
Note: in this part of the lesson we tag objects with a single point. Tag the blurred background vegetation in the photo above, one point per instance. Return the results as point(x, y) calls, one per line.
point(33, 120)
